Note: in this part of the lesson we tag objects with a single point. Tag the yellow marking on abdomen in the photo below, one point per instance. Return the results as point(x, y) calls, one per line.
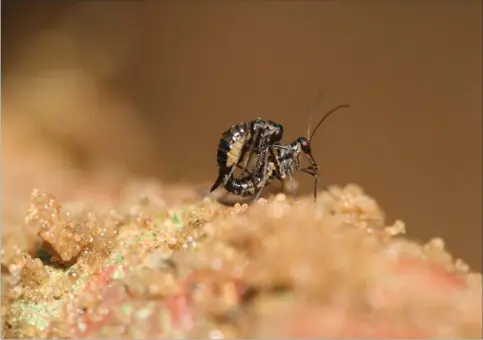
point(234, 154)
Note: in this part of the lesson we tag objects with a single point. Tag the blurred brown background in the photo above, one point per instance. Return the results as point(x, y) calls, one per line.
point(148, 87)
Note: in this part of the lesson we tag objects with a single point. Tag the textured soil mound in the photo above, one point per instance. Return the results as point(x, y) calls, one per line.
point(162, 262)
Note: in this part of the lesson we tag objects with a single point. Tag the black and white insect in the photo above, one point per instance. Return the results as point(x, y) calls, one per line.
point(274, 159)
point(238, 145)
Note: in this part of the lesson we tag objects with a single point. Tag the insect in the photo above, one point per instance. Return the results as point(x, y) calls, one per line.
point(239, 143)
point(276, 160)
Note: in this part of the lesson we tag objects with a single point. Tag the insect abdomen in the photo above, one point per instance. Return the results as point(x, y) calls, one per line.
point(240, 187)
point(231, 145)
point(248, 185)
point(245, 186)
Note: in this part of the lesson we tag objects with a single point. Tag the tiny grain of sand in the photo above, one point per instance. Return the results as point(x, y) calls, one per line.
point(161, 262)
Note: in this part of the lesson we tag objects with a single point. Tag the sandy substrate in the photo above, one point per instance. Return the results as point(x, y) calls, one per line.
point(153, 261)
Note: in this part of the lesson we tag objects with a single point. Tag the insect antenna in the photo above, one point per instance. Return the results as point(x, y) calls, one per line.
point(312, 111)
point(310, 136)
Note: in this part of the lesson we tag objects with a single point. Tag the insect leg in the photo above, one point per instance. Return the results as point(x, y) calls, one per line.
point(312, 171)
point(270, 149)
point(265, 176)
point(263, 153)
point(224, 177)
point(261, 161)
point(250, 152)
point(228, 176)
point(262, 186)
point(243, 168)
point(261, 148)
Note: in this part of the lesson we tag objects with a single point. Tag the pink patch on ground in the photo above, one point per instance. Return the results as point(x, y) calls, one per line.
point(102, 278)
point(95, 285)
point(332, 322)
point(434, 274)
point(113, 295)
point(406, 279)
point(94, 319)
point(181, 311)
point(414, 279)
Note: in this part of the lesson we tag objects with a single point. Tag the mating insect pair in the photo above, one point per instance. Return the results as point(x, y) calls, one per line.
point(274, 159)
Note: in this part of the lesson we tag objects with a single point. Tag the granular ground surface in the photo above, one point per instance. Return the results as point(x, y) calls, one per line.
point(153, 261)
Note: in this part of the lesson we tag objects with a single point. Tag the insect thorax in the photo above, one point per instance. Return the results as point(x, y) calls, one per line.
point(284, 159)
point(268, 132)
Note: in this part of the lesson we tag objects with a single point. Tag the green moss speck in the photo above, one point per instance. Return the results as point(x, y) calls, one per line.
point(126, 309)
point(143, 313)
point(119, 258)
point(37, 315)
point(118, 274)
point(177, 221)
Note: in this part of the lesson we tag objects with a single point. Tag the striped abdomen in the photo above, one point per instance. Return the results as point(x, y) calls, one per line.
point(232, 145)
point(235, 141)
